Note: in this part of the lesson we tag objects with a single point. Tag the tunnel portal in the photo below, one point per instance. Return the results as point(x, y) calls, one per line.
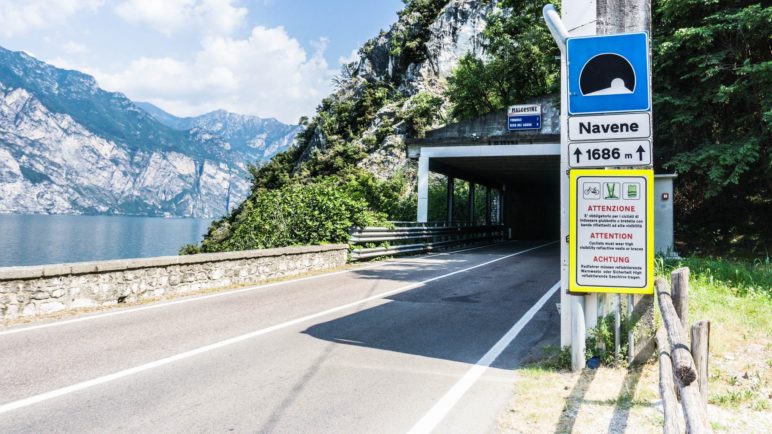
point(478, 172)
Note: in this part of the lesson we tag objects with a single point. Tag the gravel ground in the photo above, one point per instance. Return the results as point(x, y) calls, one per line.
point(592, 401)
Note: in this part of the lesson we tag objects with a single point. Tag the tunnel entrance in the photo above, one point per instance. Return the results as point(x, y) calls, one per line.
point(477, 172)
point(519, 192)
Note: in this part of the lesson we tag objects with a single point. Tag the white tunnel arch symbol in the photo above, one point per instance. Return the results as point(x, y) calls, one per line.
point(607, 74)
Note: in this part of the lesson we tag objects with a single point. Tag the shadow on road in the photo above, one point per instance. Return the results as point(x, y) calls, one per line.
point(418, 268)
point(459, 318)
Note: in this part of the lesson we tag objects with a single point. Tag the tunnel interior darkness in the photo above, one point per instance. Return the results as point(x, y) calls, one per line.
point(530, 184)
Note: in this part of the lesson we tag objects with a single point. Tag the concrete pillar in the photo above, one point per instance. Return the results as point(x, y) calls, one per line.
point(423, 189)
point(470, 205)
point(501, 205)
point(506, 212)
point(487, 205)
point(451, 191)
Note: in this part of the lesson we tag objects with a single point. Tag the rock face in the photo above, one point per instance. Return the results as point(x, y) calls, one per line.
point(247, 135)
point(68, 147)
point(456, 31)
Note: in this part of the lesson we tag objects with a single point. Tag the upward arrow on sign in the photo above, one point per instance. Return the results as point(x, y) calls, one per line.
point(609, 154)
point(578, 154)
point(640, 152)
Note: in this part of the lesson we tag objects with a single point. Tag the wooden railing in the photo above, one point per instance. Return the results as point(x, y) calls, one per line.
point(410, 237)
point(683, 368)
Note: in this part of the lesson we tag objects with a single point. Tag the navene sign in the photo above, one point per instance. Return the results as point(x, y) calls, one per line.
point(608, 75)
point(609, 127)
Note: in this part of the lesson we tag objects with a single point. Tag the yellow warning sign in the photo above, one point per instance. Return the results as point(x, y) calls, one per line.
point(611, 231)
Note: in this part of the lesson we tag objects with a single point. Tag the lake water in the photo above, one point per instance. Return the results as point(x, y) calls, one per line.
point(47, 239)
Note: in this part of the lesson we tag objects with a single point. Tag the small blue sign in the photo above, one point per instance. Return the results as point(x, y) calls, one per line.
point(609, 73)
point(530, 122)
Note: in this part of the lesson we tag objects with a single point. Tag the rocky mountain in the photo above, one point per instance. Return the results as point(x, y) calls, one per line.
point(410, 62)
point(69, 147)
point(243, 133)
point(394, 89)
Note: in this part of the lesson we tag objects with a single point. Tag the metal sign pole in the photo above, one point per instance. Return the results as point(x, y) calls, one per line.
point(579, 16)
point(568, 305)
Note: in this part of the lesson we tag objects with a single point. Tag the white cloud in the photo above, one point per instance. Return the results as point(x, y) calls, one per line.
point(269, 74)
point(217, 17)
point(352, 57)
point(73, 47)
point(23, 16)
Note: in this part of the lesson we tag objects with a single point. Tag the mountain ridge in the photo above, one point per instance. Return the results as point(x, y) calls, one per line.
point(70, 147)
point(241, 131)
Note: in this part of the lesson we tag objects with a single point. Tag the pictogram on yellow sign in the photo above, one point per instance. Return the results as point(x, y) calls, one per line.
point(611, 233)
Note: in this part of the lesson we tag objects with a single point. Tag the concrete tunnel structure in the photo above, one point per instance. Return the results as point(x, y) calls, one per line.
point(517, 171)
point(520, 168)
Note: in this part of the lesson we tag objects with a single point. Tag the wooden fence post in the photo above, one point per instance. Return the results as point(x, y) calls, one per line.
point(700, 351)
point(683, 365)
point(680, 287)
point(666, 385)
point(695, 414)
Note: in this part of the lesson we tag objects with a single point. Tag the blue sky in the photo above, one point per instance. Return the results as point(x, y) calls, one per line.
point(271, 58)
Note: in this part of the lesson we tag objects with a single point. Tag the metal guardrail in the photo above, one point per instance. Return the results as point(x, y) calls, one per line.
point(411, 237)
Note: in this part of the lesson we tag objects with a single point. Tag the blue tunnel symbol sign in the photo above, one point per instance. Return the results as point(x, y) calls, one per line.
point(608, 74)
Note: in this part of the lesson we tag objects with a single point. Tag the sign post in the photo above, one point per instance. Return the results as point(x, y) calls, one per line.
point(609, 99)
point(605, 123)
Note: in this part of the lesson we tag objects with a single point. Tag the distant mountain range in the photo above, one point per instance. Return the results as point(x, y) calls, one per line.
point(69, 147)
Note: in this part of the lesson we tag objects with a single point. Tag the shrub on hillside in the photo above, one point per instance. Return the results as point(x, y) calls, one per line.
point(295, 214)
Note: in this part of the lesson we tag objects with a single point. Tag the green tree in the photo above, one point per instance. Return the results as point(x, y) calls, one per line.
point(294, 214)
point(421, 111)
point(409, 44)
point(521, 62)
point(713, 118)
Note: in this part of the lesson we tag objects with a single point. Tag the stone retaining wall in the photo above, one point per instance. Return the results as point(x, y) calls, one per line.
point(30, 291)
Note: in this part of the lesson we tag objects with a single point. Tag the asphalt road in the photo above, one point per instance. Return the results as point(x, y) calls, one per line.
point(421, 343)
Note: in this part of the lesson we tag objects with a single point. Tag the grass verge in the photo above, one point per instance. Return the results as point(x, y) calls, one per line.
point(735, 296)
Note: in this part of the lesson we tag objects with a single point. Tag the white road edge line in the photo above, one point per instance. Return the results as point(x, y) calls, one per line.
point(162, 304)
point(437, 413)
point(15, 405)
